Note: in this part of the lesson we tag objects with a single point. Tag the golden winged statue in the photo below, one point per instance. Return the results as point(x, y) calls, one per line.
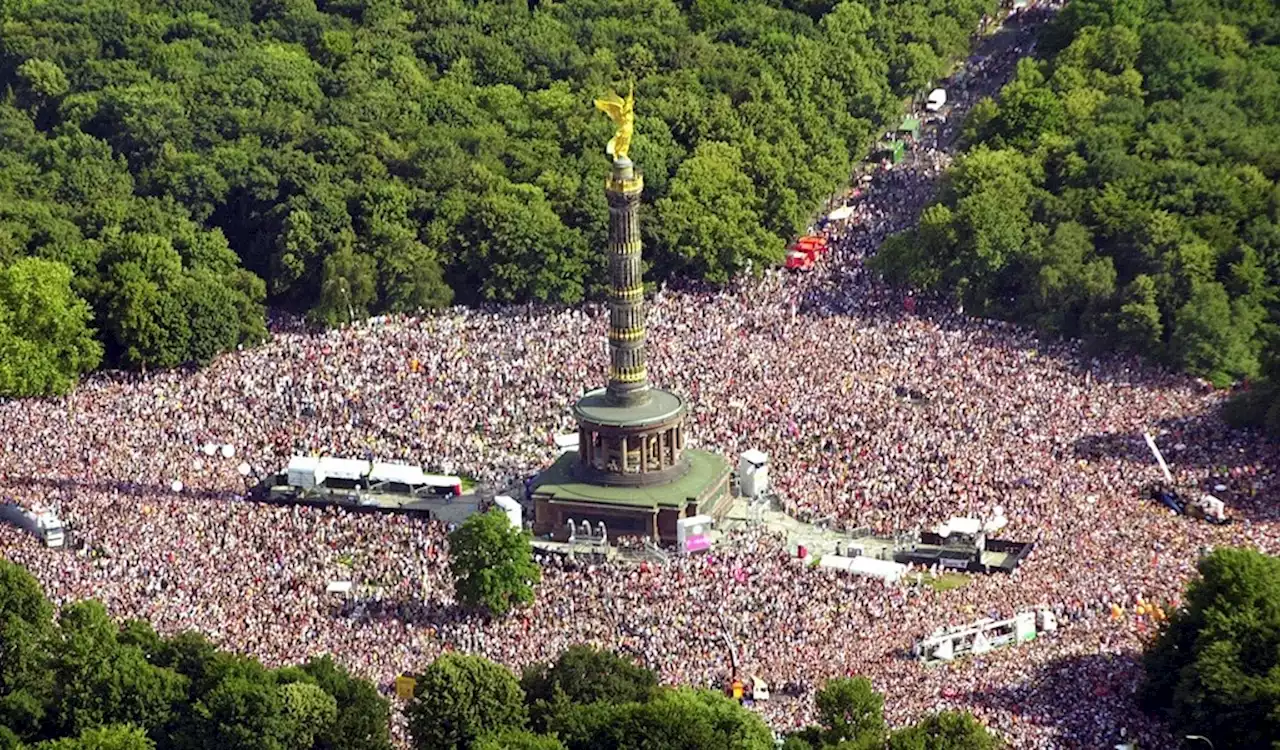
point(621, 111)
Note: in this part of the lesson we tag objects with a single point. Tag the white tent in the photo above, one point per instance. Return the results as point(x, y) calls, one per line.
point(442, 480)
point(885, 570)
point(344, 468)
point(957, 525)
point(405, 474)
point(693, 533)
point(338, 587)
point(304, 472)
point(937, 98)
point(840, 214)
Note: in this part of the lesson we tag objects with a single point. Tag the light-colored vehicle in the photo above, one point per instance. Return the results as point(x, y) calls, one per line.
point(41, 523)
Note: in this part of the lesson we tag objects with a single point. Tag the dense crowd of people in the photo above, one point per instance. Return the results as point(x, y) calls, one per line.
point(807, 367)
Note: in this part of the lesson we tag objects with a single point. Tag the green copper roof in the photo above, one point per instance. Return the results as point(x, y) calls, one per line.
point(705, 469)
point(596, 408)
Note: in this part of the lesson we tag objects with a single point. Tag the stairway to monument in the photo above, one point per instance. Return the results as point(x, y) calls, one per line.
point(818, 539)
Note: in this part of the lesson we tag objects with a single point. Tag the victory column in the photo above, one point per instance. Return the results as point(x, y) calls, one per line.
point(632, 470)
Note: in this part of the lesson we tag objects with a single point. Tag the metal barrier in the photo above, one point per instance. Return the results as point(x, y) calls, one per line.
point(655, 550)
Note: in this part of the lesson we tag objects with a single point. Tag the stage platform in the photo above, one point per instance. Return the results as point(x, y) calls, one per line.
point(446, 510)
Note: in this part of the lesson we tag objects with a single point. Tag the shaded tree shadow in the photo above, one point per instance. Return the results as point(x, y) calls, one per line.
point(140, 490)
point(410, 611)
point(1087, 701)
point(1241, 467)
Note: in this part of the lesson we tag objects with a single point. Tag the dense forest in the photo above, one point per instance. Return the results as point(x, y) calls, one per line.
point(1123, 189)
point(169, 167)
point(81, 681)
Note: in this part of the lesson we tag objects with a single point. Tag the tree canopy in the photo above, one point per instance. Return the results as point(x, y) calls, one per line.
point(582, 674)
point(1124, 190)
point(586, 700)
point(190, 161)
point(850, 716)
point(83, 682)
point(1214, 670)
point(460, 698)
point(492, 563)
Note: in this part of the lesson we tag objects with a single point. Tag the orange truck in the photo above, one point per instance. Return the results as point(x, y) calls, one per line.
point(805, 252)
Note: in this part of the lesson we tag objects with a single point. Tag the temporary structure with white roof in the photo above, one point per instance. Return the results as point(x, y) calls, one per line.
point(957, 525)
point(753, 472)
point(405, 474)
point(309, 472)
point(885, 570)
point(304, 472)
point(344, 468)
point(840, 214)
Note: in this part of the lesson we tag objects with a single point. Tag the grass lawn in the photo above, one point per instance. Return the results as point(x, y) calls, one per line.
point(468, 483)
point(947, 581)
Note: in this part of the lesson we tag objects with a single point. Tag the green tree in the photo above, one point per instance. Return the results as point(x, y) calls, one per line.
point(45, 339)
point(114, 737)
point(1071, 280)
point(461, 698)
point(244, 710)
point(850, 710)
point(213, 313)
point(26, 633)
point(492, 563)
point(364, 716)
point(1206, 338)
point(945, 730)
point(99, 681)
point(348, 289)
point(711, 223)
point(1213, 669)
point(513, 247)
point(144, 311)
point(582, 674)
point(9, 740)
point(310, 712)
point(674, 719)
point(514, 739)
point(1138, 325)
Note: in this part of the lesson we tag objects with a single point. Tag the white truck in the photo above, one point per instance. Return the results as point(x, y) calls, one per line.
point(40, 522)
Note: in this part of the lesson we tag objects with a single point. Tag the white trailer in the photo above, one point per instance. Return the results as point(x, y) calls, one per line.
point(949, 644)
point(41, 523)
